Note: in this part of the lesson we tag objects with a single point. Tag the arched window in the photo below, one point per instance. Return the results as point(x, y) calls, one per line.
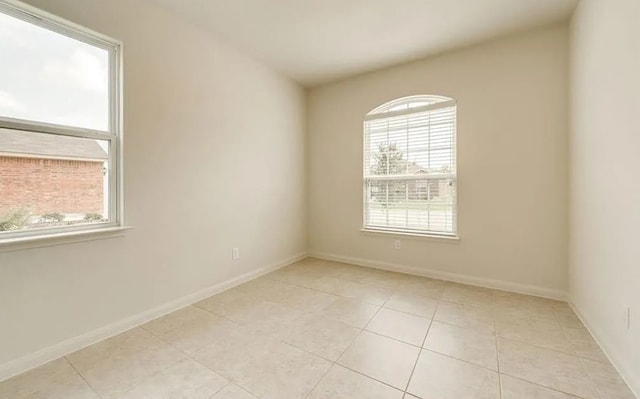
point(410, 166)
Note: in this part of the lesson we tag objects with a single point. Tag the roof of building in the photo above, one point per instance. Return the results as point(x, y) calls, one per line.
point(38, 145)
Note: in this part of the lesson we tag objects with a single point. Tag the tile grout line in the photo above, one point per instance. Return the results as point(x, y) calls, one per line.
point(399, 340)
point(572, 354)
point(371, 378)
point(334, 363)
point(380, 307)
point(424, 340)
point(549, 349)
point(359, 372)
point(230, 381)
point(395, 340)
point(393, 291)
point(162, 370)
point(331, 365)
point(573, 395)
point(333, 293)
point(220, 389)
point(81, 376)
point(459, 360)
point(496, 335)
point(186, 356)
point(355, 299)
point(582, 365)
point(501, 373)
point(240, 388)
point(444, 282)
point(495, 332)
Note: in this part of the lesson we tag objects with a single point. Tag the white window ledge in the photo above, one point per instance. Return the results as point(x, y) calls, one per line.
point(53, 239)
point(425, 236)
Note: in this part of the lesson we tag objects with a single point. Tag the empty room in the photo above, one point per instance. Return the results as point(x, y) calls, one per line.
point(319, 199)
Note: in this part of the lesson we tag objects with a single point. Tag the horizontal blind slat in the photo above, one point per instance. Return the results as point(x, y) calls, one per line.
point(409, 176)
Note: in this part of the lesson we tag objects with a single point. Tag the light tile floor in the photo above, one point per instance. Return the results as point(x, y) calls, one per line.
point(325, 330)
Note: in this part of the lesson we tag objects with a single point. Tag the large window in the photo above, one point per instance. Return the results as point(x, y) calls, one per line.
point(410, 166)
point(60, 126)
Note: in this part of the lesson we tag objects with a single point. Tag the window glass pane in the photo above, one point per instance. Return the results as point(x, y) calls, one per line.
point(407, 103)
point(420, 143)
point(387, 203)
point(387, 159)
point(413, 205)
point(410, 164)
point(49, 180)
point(48, 77)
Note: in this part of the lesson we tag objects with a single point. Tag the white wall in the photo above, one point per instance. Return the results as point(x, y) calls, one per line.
point(214, 155)
point(512, 161)
point(605, 176)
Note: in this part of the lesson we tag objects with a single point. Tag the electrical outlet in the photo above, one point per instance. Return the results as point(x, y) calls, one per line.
point(235, 253)
point(628, 318)
point(398, 244)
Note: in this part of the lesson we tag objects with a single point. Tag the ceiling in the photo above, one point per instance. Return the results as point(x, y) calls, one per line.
point(317, 41)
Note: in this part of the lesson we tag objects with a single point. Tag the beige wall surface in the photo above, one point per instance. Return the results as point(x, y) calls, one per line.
point(605, 143)
point(214, 159)
point(512, 161)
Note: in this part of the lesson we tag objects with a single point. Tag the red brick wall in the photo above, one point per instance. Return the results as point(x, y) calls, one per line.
point(50, 185)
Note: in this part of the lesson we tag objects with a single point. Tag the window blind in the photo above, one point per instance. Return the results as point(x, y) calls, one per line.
point(410, 166)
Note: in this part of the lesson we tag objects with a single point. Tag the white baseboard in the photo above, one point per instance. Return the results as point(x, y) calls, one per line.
point(454, 277)
point(633, 381)
point(64, 348)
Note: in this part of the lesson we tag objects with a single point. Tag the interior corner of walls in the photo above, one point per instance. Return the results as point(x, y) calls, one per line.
point(621, 366)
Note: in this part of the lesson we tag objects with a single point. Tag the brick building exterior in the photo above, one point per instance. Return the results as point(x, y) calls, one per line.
point(50, 174)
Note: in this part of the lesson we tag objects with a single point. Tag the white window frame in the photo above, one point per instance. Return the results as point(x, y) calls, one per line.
point(113, 135)
point(384, 112)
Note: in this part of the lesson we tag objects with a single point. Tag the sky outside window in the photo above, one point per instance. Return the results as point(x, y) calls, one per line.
point(48, 77)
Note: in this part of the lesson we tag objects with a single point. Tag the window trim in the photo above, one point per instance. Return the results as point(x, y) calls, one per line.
point(373, 115)
point(381, 112)
point(114, 134)
point(404, 233)
point(68, 237)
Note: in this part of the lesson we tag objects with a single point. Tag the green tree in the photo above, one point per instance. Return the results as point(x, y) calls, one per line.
point(389, 161)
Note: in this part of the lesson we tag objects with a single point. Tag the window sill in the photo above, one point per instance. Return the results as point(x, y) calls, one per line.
point(53, 239)
point(437, 237)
